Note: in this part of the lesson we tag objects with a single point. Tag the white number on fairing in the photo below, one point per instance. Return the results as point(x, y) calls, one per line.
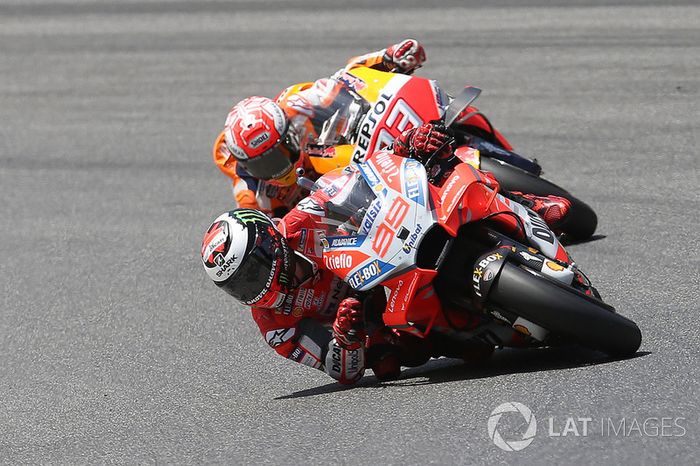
point(537, 231)
point(540, 228)
point(402, 117)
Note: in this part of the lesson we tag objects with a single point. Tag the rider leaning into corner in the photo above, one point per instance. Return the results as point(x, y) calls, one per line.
point(304, 311)
point(265, 141)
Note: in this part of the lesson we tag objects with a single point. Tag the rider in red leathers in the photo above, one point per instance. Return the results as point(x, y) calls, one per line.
point(304, 312)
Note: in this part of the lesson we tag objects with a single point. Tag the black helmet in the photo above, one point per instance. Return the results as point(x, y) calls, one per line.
point(246, 256)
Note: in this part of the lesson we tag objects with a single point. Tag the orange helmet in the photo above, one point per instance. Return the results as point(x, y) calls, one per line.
point(257, 134)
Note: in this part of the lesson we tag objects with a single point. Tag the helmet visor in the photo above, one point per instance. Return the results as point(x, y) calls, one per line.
point(273, 164)
point(253, 279)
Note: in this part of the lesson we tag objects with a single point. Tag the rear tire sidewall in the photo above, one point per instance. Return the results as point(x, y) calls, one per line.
point(580, 223)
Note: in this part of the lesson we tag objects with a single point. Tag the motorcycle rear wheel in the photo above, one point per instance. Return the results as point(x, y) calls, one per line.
point(581, 222)
point(564, 311)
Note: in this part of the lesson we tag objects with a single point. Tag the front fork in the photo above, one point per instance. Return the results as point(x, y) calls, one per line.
point(488, 266)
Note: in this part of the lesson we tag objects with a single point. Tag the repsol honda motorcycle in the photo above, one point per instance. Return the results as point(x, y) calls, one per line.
point(377, 106)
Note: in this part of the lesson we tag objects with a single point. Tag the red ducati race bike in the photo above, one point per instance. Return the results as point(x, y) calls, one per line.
point(460, 244)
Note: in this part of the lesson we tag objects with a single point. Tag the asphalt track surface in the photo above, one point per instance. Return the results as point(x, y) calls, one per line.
point(115, 347)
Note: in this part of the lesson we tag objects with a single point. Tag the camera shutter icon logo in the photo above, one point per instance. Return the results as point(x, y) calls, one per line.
point(526, 438)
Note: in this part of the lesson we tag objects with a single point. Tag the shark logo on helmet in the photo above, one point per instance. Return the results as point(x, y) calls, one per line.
point(216, 244)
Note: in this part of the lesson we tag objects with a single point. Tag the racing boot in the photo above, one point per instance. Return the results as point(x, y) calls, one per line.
point(553, 209)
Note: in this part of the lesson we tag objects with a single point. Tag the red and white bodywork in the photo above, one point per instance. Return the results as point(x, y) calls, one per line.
point(381, 211)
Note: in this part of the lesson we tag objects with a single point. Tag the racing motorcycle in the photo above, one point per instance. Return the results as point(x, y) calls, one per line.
point(458, 243)
point(375, 107)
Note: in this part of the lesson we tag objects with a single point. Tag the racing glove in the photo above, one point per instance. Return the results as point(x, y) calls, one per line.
point(348, 328)
point(421, 142)
point(404, 57)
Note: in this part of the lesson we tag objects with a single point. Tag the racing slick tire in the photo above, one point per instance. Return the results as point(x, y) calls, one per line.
point(564, 311)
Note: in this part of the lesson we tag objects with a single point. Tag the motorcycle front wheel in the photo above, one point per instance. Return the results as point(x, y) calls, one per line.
point(564, 311)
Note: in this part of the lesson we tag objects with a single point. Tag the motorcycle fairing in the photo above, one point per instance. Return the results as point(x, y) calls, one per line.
point(398, 102)
point(393, 224)
point(390, 227)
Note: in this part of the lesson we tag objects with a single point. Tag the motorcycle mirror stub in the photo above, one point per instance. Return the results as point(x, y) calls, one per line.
point(305, 182)
point(461, 101)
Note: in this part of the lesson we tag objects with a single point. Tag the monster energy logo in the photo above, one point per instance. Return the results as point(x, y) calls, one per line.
point(283, 276)
point(250, 216)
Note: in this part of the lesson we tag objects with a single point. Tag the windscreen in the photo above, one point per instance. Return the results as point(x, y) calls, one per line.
point(350, 200)
point(335, 121)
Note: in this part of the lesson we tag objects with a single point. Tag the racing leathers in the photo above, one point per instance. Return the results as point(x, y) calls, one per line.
point(301, 327)
point(300, 102)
